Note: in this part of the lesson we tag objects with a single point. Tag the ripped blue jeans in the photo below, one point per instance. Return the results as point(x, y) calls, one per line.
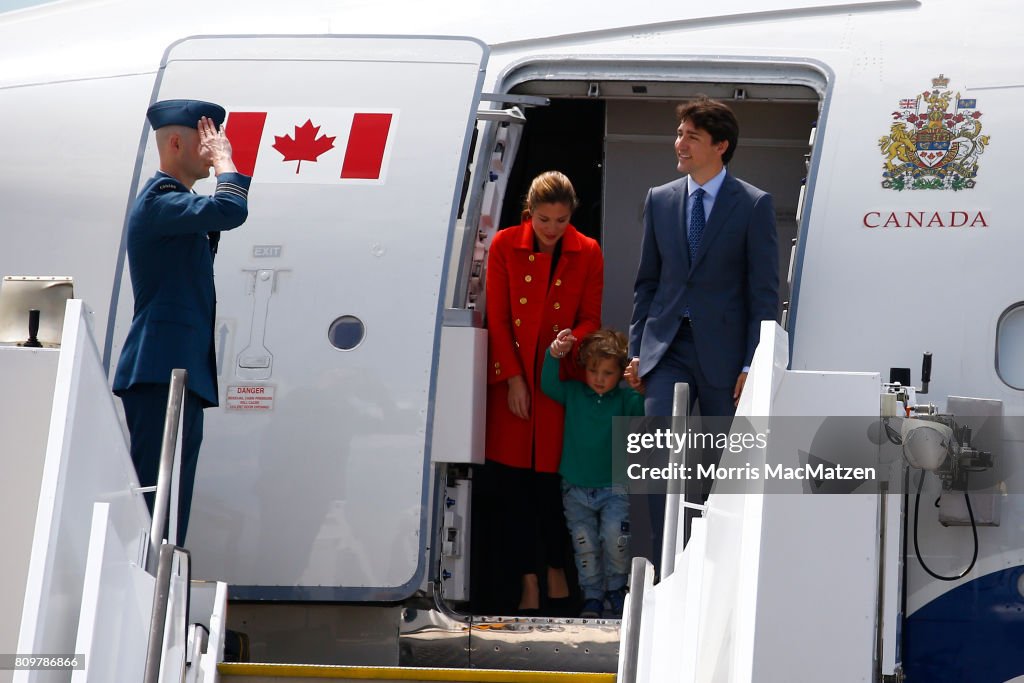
point(598, 521)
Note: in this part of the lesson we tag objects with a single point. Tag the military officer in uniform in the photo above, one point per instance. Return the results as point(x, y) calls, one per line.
point(172, 238)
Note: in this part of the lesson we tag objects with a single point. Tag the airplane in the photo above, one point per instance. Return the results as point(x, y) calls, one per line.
point(333, 500)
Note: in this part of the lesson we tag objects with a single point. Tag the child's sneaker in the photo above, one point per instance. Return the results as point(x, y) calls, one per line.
point(592, 609)
point(615, 600)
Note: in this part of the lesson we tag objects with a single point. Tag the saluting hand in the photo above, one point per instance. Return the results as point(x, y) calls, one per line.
point(214, 146)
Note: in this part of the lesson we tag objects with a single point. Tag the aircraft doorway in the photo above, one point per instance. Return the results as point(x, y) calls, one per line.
point(614, 139)
point(617, 146)
point(565, 136)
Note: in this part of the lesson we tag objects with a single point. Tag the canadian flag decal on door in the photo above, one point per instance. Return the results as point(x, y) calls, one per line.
point(313, 145)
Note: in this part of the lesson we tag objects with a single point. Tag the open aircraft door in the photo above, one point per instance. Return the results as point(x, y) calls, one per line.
point(313, 477)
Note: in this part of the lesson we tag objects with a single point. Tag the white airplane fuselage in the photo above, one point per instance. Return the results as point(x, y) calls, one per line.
point(884, 130)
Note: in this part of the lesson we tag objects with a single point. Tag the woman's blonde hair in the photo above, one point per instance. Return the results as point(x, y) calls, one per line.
point(550, 187)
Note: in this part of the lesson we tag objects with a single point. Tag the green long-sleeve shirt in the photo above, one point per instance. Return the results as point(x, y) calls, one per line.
point(587, 444)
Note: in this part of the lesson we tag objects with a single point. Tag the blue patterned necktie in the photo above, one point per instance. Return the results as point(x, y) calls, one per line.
point(696, 228)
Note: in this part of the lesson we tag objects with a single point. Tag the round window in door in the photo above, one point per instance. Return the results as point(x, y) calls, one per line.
point(346, 332)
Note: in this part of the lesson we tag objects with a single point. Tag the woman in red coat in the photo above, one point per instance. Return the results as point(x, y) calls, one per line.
point(542, 276)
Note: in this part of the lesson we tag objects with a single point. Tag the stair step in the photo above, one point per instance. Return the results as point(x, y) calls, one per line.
point(268, 673)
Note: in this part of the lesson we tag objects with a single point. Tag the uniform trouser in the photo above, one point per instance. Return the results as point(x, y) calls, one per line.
point(145, 409)
point(680, 364)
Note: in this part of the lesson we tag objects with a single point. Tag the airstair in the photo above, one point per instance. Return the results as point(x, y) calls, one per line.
point(105, 596)
point(102, 586)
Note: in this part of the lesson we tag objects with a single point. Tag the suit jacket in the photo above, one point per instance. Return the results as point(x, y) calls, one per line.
point(170, 258)
point(731, 286)
point(525, 310)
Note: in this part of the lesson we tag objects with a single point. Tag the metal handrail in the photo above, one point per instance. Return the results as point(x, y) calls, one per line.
point(161, 605)
point(641, 573)
point(495, 119)
point(675, 493)
point(172, 425)
point(158, 620)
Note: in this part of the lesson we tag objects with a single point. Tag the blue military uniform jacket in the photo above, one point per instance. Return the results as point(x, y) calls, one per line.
point(170, 257)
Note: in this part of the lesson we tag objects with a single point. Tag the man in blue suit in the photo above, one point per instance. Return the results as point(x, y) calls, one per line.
point(708, 274)
point(172, 238)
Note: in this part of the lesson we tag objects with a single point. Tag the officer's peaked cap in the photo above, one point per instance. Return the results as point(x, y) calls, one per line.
point(183, 113)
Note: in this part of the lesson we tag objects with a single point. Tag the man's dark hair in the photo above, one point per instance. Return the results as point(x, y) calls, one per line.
point(714, 117)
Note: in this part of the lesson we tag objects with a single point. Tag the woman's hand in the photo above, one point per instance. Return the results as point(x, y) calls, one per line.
point(519, 397)
point(562, 343)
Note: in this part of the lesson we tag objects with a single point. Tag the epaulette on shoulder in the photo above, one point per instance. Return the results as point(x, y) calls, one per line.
point(167, 186)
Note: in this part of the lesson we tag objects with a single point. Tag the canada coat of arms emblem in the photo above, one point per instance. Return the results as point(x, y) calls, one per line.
point(934, 142)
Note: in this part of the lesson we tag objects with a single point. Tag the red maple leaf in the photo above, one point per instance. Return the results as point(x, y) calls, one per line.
point(306, 146)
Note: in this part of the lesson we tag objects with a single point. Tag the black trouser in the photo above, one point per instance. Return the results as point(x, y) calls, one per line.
point(521, 528)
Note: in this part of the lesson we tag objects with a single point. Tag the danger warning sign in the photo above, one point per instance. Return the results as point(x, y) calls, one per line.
point(250, 397)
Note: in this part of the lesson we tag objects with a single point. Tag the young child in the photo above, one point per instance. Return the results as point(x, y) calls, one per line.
point(596, 511)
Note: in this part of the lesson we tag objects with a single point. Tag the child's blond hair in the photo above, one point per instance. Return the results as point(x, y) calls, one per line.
point(603, 344)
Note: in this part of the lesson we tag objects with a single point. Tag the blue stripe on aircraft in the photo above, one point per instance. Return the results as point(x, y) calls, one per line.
point(972, 634)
